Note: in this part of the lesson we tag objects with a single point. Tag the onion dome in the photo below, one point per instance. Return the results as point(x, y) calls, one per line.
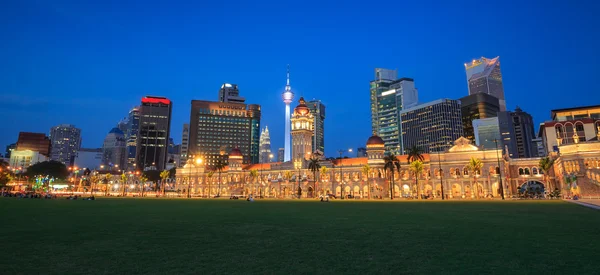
point(374, 141)
point(235, 152)
point(301, 109)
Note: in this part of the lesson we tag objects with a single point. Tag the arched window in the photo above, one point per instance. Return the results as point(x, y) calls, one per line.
point(521, 171)
point(527, 171)
point(559, 130)
point(540, 171)
point(534, 170)
point(465, 171)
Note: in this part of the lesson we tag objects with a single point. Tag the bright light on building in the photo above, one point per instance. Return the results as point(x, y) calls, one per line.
point(388, 92)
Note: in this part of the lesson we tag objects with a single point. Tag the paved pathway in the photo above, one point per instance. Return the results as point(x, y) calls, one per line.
point(591, 203)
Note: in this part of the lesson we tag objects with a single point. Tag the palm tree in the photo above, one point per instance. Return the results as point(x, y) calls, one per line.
point(474, 166)
point(219, 166)
point(143, 179)
point(415, 153)
point(417, 168)
point(253, 175)
point(209, 176)
point(107, 178)
point(164, 175)
point(314, 166)
point(366, 170)
point(288, 176)
point(323, 171)
point(124, 180)
point(545, 165)
point(391, 163)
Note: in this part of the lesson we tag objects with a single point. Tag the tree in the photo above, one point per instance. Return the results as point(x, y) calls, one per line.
point(143, 179)
point(323, 171)
point(164, 175)
point(6, 175)
point(253, 174)
point(173, 173)
point(366, 170)
point(546, 165)
point(152, 175)
point(93, 179)
point(52, 169)
point(417, 168)
point(107, 179)
point(124, 182)
point(209, 176)
point(314, 166)
point(288, 176)
point(474, 166)
point(415, 153)
point(391, 163)
point(219, 166)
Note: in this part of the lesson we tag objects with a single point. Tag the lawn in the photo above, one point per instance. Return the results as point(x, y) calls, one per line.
point(179, 236)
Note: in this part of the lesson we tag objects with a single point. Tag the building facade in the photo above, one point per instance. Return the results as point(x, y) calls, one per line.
point(302, 132)
point(484, 76)
point(265, 146)
point(153, 135)
point(432, 126)
point(567, 124)
point(185, 141)
point(317, 109)
point(230, 93)
point(36, 142)
point(89, 158)
point(381, 83)
point(280, 154)
point(131, 135)
point(517, 132)
point(477, 106)
point(21, 159)
point(66, 140)
point(217, 127)
point(114, 149)
point(487, 132)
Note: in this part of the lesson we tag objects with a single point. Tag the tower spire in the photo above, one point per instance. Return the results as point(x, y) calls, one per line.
point(287, 86)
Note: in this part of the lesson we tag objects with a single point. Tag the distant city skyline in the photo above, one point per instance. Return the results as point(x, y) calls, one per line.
point(93, 82)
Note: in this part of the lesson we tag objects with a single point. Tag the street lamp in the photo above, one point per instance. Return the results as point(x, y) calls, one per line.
point(298, 164)
point(198, 162)
point(499, 170)
point(342, 172)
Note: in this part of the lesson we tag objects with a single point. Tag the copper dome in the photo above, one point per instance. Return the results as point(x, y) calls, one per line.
point(235, 152)
point(375, 140)
point(301, 109)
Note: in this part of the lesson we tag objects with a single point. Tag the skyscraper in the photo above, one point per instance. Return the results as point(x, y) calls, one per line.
point(431, 126)
point(317, 109)
point(185, 139)
point(382, 82)
point(484, 76)
point(517, 132)
point(265, 146)
point(280, 154)
point(401, 94)
point(153, 135)
point(113, 149)
point(287, 96)
point(302, 131)
point(487, 132)
point(66, 140)
point(230, 93)
point(133, 126)
point(477, 106)
point(218, 127)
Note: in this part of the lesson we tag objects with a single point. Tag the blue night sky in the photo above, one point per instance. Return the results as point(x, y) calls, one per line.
point(88, 62)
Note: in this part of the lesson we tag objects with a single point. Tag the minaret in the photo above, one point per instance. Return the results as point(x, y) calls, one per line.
point(287, 96)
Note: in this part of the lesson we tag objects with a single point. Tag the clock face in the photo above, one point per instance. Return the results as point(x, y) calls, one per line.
point(297, 125)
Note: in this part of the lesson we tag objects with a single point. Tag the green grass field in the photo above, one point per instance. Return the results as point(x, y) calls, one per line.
point(179, 236)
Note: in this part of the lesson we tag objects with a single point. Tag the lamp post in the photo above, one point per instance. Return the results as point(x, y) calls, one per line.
point(342, 172)
point(441, 173)
point(198, 163)
point(190, 177)
point(499, 170)
point(270, 160)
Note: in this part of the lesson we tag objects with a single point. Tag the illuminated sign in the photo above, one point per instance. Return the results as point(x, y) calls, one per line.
point(388, 92)
point(156, 100)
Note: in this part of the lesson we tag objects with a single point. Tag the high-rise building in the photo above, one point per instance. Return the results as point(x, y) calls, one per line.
point(484, 76)
point(538, 147)
point(90, 158)
point(9, 148)
point(36, 142)
point(66, 140)
point(361, 152)
point(302, 131)
point(487, 133)
point(123, 125)
point(113, 149)
point(402, 94)
point(517, 132)
point(431, 126)
point(185, 139)
point(317, 109)
point(381, 84)
point(230, 93)
point(265, 146)
point(280, 154)
point(287, 97)
point(477, 106)
point(154, 131)
point(218, 127)
point(569, 125)
point(131, 135)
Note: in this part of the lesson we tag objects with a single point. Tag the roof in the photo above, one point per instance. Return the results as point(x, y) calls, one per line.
point(375, 140)
point(260, 166)
point(350, 161)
